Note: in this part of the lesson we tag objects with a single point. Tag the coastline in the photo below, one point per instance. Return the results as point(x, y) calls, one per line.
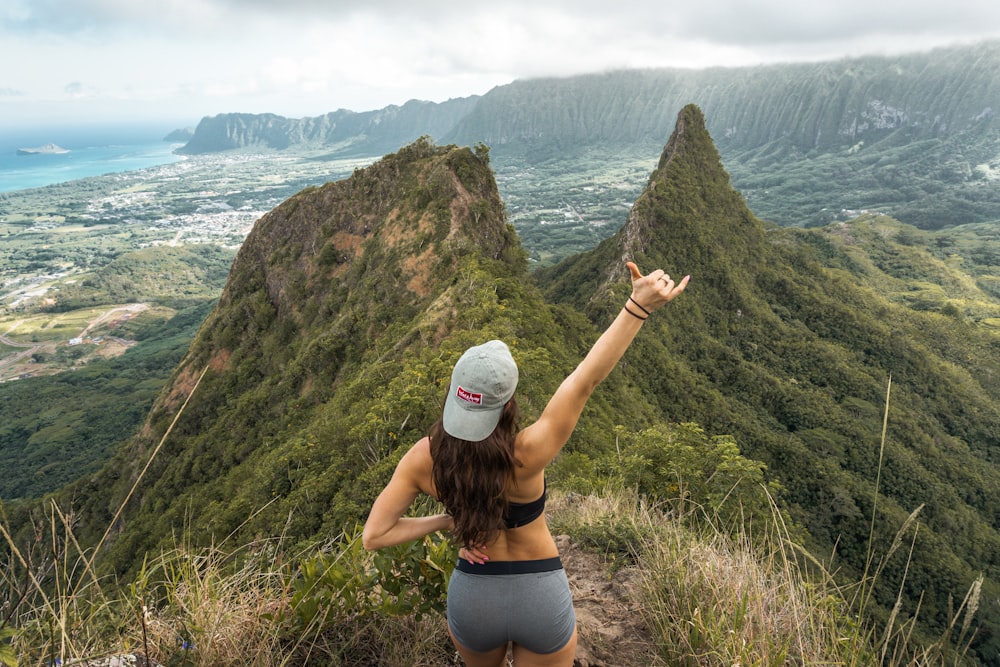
point(20, 172)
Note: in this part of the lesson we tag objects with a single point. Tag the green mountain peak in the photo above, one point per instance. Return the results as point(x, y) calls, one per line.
point(332, 295)
point(689, 207)
point(688, 220)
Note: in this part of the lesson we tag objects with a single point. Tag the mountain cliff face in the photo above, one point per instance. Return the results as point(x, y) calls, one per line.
point(347, 132)
point(816, 106)
point(913, 136)
point(808, 107)
point(332, 344)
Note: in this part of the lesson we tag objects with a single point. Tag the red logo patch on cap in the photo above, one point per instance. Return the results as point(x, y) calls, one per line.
point(469, 397)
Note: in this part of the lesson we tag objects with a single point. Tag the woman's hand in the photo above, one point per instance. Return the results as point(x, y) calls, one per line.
point(475, 555)
point(655, 289)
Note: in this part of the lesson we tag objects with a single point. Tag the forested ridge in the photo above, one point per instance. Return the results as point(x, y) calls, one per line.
point(790, 345)
point(331, 346)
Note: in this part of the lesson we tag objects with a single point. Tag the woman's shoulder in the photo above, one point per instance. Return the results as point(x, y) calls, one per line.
point(419, 453)
point(418, 465)
point(423, 445)
point(531, 456)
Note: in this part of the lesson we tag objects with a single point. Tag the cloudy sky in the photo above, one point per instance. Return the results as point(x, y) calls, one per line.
point(176, 61)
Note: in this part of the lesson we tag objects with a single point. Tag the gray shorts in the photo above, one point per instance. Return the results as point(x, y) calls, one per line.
point(526, 602)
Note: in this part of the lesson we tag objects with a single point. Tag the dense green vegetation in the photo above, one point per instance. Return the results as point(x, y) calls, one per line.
point(58, 428)
point(789, 345)
point(331, 347)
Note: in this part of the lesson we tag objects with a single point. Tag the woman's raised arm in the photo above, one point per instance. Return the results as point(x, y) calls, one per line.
point(556, 424)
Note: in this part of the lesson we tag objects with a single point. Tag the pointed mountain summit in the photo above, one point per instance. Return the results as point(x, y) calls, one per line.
point(334, 295)
point(781, 341)
point(688, 220)
point(689, 196)
point(350, 258)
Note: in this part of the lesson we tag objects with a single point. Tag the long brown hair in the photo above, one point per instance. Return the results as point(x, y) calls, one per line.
point(472, 479)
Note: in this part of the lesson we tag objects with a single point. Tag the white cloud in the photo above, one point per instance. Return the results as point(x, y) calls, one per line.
point(304, 57)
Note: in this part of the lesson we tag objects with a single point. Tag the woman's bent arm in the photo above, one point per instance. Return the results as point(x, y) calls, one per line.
point(405, 530)
point(386, 525)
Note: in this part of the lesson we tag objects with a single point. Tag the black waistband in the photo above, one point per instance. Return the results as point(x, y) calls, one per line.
point(511, 566)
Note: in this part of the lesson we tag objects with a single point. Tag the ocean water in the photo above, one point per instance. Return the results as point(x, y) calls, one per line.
point(93, 151)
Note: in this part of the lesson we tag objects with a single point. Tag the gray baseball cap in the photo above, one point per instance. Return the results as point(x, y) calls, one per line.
point(482, 382)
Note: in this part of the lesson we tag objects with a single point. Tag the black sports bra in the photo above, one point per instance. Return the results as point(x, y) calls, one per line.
point(521, 514)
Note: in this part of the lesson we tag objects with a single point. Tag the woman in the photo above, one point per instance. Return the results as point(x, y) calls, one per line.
point(509, 585)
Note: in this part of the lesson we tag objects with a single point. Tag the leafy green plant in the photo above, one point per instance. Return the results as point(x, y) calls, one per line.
point(7, 655)
point(408, 579)
point(681, 465)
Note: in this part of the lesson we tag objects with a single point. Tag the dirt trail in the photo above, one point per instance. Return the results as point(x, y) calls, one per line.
point(611, 630)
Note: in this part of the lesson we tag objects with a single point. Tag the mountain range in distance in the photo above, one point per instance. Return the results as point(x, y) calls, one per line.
point(913, 136)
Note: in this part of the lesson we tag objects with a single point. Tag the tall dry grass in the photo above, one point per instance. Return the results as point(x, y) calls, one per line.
point(210, 606)
point(711, 595)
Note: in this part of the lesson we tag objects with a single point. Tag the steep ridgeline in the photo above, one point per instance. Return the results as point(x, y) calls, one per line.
point(805, 107)
point(346, 132)
point(328, 354)
point(781, 340)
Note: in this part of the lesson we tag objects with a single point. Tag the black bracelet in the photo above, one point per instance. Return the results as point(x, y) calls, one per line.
point(639, 305)
point(633, 314)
